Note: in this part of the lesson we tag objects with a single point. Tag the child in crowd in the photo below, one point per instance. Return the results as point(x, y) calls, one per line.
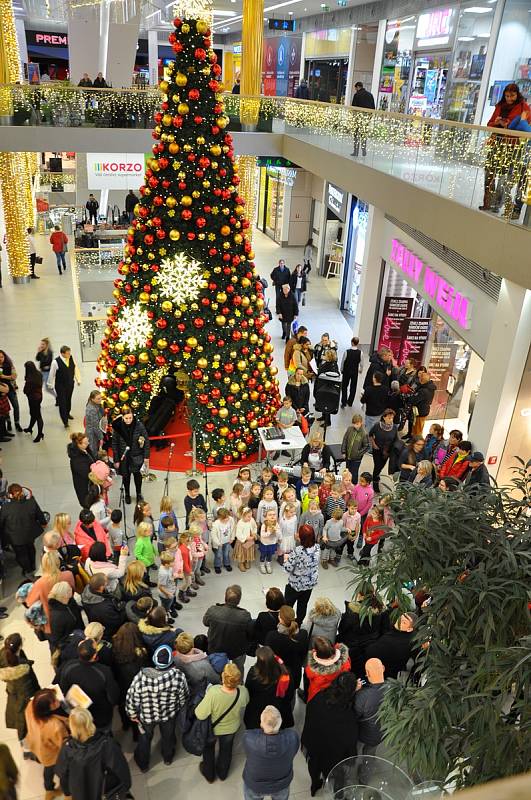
point(286, 415)
point(352, 524)
point(218, 501)
point(290, 496)
point(184, 547)
point(334, 500)
point(172, 546)
point(267, 503)
point(363, 493)
point(199, 517)
point(166, 583)
point(222, 535)
point(266, 477)
point(282, 485)
point(116, 534)
point(311, 494)
point(246, 534)
point(287, 523)
point(373, 533)
point(244, 477)
point(325, 488)
point(333, 538)
point(347, 485)
point(314, 517)
point(144, 549)
point(235, 500)
point(304, 482)
point(166, 510)
point(193, 499)
point(270, 536)
point(254, 499)
point(385, 503)
point(167, 528)
point(199, 550)
point(142, 513)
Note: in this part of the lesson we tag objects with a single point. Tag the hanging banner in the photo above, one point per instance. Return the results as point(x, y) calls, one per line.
point(441, 367)
point(294, 63)
point(282, 66)
point(269, 68)
point(414, 332)
point(395, 311)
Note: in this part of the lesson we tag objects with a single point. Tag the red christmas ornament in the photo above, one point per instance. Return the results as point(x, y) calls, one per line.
point(198, 119)
point(215, 130)
point(161, 323)
point(205, 301)
point(163, 162)
point(211, 338)
point(178, 47)
point(191, 236)
point(153, 182)
point(158, 200)
point(146, 387)
point(160, 361)
point(217, 375)
point(215, 393)
point(166, 183)
point(200, 54)
point(199, 323)
point(161, 234)
point(182, 185)
point(214, 411)
point(203, 398)
point(227, 459)
point(211, 460)
point(194, 94)
point(186, 214)
point(197, 374)
point(200, 222)
point(148, 238)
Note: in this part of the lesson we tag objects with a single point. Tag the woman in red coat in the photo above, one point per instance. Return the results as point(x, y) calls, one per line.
point(511, 106)
point(325, 662)
point(88, 531)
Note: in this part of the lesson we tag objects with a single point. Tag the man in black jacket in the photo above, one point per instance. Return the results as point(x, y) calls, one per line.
point(287, 310)
point(100, 606)
point(367, 705)
point(280, 276)
point(381, 361)
point(95, 679)
point(374, 398)
point(230, 628)
point(130, 202)
point(362, 99)
point(396, 647)
point(21, 522)
point(92, 206)
point(422, 399)
point(478, 478)
point(351, 367)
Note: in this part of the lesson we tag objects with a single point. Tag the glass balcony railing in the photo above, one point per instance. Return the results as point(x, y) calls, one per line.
point(469, 164)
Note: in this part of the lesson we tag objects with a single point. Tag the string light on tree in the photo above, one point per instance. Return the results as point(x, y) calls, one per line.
point(179, 279)
point(134, 326)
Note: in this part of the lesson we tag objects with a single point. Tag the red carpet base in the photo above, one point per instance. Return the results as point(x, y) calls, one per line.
point(179, 432)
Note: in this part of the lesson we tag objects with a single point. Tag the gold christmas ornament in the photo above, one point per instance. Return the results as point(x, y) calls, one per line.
point(183, 108)
point(174, 235)
point(186, 200)
point(181, 79)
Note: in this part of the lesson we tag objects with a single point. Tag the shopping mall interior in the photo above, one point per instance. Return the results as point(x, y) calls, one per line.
point(158, 163)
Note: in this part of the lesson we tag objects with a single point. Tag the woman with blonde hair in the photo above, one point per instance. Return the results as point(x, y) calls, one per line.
point(91, 764)
point(65, 614)
point(134, 585)
point(289, 642)
point(323, 620)
point(61, 525)
point(224, 705)
point(47, 730)
point(51, 574)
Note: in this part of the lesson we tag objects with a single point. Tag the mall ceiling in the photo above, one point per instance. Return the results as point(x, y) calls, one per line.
point(158, 13)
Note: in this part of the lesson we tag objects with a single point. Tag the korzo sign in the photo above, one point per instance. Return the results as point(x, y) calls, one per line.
point(441, 294)
point(115, 171)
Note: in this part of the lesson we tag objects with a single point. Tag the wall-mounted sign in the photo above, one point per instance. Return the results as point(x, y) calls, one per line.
point(274, 161)
point(434, 29)
point(281, 24)
point(47, 39)
point(336, 200)
point(115, 171)
point(441, 294)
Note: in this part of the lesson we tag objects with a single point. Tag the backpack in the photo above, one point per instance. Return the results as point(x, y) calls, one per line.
point(200, 731)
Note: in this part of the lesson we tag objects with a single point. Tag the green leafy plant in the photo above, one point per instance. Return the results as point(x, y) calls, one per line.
point(465, 716)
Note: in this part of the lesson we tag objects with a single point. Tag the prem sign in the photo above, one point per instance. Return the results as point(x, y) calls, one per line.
point(115, 170)
point(440, 293)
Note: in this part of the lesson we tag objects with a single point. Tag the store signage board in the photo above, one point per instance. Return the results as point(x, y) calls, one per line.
point(440, 292)
point(336, 200)
point(46, 38)
point(115, 171)
point(435, 28)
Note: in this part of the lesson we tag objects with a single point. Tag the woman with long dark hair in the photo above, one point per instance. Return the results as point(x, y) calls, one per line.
point(47, 730)
point(81, 460)
point(8, 374)
point(33, 391)
point(269, 683)
point(289, 643)
point(129, 656)
point(130, 447)
point(16, 671)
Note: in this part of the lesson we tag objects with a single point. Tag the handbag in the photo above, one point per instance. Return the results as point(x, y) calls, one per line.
point(38, 259)
point(201, 731)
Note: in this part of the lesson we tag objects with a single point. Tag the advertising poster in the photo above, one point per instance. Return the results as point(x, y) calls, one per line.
point(415, 332)
point(430, 86)
point(269, 68)
point(282, 66)
point(294, 47)
point(34, 73)
point(441, 367)
point(395, 311)
point(115, 170)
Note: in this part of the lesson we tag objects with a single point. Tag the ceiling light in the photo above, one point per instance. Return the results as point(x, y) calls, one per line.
point(290, 13)
point(222, 13)
point(281, 5)
point(466, 38)
point(406, 19)
point(477, 10)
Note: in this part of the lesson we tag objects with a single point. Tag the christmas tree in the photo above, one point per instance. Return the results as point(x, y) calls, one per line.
point(188, 299)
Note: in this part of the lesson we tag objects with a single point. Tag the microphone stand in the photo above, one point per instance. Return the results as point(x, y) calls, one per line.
point(166, 487)
point(121, 503)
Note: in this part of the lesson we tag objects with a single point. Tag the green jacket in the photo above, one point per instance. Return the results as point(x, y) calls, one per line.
point(145, 550)
point(355, 443)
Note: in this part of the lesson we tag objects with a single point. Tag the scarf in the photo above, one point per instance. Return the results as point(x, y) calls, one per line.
point(281, 628)
point(386, 426)
point(283, 681)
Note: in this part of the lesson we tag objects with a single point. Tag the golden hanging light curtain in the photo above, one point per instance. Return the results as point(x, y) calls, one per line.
point(252, 48)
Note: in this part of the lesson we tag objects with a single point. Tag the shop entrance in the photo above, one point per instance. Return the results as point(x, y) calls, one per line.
point(327, 79)
point(428, 84)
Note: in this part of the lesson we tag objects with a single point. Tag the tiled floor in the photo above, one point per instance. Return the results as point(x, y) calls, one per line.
point(45, 308)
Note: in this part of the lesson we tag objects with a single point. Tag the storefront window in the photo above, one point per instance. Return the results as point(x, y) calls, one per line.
point(470, 49)
point(355, 255)
point(396, 65)
point(326, 53)
point(512, 58)
point(271, 195)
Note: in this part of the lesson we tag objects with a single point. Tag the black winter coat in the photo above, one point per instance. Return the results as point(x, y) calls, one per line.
point(261, 696)
point(389, 372)
point(363, 99)
point(98, 682)
point(280, 276)
point(64, 619)
point(136, 438)
point(293, 652)
point(93, 769)
point(357, 635)
point(293, 281)
point(265, 622)
point(104, 608)
point(423, 397)
point(300, 395)
point(394, 649)
point(287, 306)
point(21, 521)
point(330, 732)
point(80, 463)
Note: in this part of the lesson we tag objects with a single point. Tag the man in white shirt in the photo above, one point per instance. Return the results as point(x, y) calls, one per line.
point(64, 373)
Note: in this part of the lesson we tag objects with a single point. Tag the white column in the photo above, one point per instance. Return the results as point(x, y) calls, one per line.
point(121, 52)
point(378, 55)
point(351, 64)
point(22, 45)
point(505, 361)
point(370, 276)
point(83, 42)
point(303, 50)
point(153, 56)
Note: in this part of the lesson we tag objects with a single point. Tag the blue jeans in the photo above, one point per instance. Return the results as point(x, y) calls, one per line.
point(248, 794)
point(222, 554)
point(370, 422)
point(60, 258)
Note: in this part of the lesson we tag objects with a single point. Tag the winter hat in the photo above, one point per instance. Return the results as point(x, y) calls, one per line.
point(163, 657)
point(476, 456)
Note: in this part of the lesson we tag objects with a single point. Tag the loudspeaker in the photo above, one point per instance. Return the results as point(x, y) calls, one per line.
point(56, 164)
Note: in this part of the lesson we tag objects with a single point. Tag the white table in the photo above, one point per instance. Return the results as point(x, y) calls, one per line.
point(293, 440)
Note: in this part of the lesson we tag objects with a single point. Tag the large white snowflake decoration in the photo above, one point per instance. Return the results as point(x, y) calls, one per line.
point(134, 326)
point(179, 279)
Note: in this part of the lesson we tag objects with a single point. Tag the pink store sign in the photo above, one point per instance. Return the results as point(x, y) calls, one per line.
point(441, 294)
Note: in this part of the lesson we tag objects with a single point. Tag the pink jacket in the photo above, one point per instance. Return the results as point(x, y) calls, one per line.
point(199, 548)
point(85, 542)
point(178, 564)
point(364, 496)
